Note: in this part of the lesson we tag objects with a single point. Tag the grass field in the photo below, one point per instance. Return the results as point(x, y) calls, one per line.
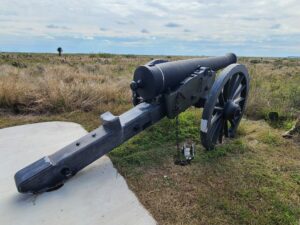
point(253, 179)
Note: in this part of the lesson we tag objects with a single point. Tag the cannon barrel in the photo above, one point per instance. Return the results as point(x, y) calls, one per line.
point(156, 77)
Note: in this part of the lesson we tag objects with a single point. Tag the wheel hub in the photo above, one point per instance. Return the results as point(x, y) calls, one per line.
point(232, 110)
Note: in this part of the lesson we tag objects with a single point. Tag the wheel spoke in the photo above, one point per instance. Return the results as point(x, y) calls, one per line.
point(215, 118)
point(236, 84)
point(226, 91)
point(214, 126)
point(221, 99)
point(226, 128)
point(231, 83)
point(218, 108)
point(238, 100)
point(215, 131)
point(232, 128)
point(238, 91)
point(232, 123)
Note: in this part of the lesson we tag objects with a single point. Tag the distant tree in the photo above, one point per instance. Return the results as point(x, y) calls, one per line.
point(60, 50)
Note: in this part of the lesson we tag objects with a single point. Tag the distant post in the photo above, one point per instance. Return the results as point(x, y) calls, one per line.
point(60, 50)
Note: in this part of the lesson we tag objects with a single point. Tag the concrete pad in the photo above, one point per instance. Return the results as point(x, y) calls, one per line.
point(96, 195)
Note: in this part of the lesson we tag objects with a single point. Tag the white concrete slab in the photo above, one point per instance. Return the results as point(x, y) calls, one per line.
point(96, 195)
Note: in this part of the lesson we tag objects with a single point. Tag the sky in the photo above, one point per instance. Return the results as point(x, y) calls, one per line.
point(177, 27)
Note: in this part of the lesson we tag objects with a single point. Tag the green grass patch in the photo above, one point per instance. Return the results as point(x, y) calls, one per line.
point(155, 145)
point(270, 138)
point(236, 146)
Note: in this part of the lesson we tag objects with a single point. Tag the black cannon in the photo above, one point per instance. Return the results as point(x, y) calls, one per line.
point(159, 88)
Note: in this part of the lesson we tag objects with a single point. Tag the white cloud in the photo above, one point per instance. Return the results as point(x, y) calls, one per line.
point(226, 21)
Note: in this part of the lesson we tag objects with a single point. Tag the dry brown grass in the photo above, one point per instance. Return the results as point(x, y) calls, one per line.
point(66, 85)
point(40, 83)
point(275, 86)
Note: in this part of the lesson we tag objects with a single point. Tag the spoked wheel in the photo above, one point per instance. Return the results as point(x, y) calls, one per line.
point(225, 105)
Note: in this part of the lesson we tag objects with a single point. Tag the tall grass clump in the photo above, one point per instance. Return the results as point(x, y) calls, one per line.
point(274, 87)
point(66, 86)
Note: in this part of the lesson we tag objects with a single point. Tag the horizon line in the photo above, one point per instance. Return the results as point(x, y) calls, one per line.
point(137, 54)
